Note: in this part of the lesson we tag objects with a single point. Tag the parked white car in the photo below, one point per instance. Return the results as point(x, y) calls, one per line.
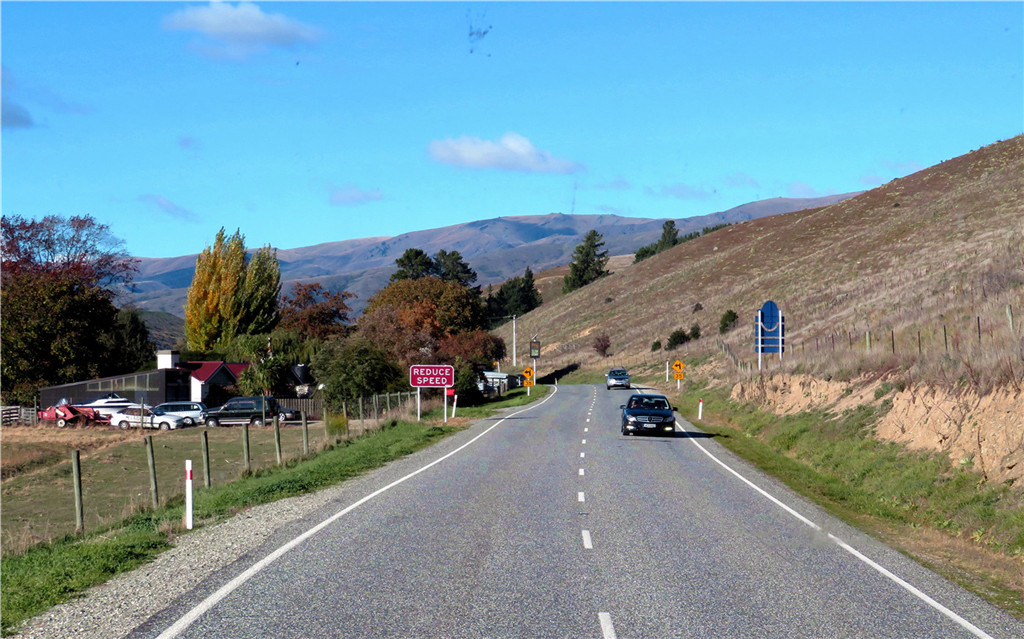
point(191, 412)
point(144, 418)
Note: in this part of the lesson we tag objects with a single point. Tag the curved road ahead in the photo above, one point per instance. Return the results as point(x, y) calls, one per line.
point(546, 522)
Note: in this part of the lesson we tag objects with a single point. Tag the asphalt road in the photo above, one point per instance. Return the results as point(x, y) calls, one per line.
point(546, 522)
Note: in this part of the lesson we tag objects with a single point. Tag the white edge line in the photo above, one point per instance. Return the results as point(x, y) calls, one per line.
point(190, 617)
point(607, 629)
point(966, 625)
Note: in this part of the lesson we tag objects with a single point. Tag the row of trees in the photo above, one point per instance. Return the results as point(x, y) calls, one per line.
point(669, 238)
point(62, 278)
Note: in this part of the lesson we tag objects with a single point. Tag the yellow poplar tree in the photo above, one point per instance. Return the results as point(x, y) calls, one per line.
point(210, 303)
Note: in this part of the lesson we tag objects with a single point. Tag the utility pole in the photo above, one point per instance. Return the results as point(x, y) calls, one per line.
point(513, 341)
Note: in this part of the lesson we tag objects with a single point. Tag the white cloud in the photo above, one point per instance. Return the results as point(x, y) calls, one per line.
point(802, 189)
point(15, 116)
point(740, 180)
point(679, 191)
point(350, 195)
point(618, 184)
point(242, 29)
point(169, 207)
point(513, 152)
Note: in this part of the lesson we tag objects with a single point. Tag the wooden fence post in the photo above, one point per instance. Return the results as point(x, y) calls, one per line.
point(277, 438)
point(152, 472)
point(76, 472)
point(945, 338)
point(206, 458)
point(305, 434)
point(1009, 316)
point(247, 465)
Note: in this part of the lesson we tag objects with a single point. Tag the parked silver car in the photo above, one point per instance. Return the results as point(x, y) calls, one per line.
point(140, 417)
point(191, 412)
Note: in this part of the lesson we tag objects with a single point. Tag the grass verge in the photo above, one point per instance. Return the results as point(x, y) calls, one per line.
point(945, 516)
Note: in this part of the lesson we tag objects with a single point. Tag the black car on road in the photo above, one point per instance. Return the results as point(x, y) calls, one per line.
point(648, 414)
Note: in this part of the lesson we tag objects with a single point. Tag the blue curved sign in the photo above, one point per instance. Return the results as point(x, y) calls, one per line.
point(770, 329)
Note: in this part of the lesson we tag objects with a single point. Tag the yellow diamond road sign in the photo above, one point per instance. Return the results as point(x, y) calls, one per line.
point(678, 366)
point(528, 373)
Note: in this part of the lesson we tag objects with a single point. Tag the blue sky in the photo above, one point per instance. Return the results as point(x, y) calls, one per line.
point(309, 122)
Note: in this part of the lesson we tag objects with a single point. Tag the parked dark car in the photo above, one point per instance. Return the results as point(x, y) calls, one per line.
point(616, 378)
point(243, 410)
point(648, 414)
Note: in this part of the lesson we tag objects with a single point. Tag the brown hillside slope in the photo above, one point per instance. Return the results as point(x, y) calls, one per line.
point(922, 260)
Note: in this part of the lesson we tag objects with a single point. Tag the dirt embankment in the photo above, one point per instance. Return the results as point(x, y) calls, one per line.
point(986, 431)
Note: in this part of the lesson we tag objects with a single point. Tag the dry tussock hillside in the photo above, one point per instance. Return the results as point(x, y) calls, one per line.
point(924, 264)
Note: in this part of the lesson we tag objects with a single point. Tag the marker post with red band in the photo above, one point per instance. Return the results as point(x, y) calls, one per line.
point(188, 494)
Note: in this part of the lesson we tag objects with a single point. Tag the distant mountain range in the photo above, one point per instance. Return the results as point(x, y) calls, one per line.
point(497, 249)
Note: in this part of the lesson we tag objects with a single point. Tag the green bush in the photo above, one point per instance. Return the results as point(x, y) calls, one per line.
point(695, 331)
point(678, 336)
point(656, 345)
point(337, 425)
point(728, 321)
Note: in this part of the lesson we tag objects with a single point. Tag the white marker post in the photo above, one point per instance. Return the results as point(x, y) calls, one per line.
point(666, 370)
point(455, 403)
point(700, 409)
point(188, 494)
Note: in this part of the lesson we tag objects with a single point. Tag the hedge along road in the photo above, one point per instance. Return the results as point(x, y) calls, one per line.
point(549, 523)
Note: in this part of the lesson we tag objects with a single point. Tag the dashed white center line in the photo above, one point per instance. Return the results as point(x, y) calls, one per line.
point(580, 497)
point(607, 629)
point(582, 455)
point(586, 430)
point(586, 540)
point(584, 441)
point(581, 472)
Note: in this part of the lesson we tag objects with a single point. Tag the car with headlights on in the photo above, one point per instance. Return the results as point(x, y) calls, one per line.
point(648, 415)
point(616, 378)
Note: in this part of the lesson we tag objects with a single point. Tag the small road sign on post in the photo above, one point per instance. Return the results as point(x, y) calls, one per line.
point(678, 367)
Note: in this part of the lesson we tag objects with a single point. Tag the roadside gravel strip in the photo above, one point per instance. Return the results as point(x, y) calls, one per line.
point(116, 608)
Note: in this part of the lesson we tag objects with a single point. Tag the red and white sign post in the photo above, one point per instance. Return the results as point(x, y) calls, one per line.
point(431, 376)
point(188, 494)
